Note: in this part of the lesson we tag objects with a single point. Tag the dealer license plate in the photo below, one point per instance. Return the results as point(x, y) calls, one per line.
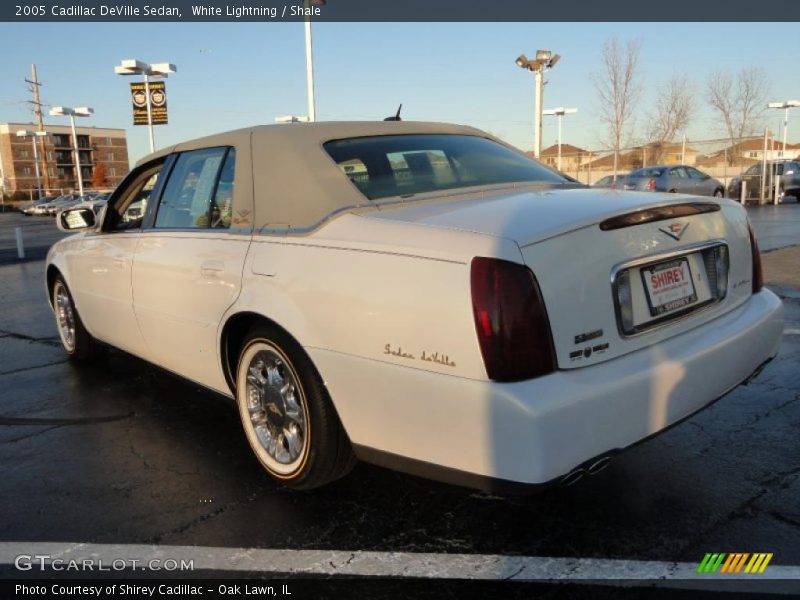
point(669, 286)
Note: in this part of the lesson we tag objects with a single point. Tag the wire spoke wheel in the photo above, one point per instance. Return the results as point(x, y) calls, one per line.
point(65, 316)
point(274, 409)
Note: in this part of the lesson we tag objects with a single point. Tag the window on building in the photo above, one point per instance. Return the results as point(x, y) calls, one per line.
point(112, 171)
point(108, 141)
point(26, 170)
point(110, 156)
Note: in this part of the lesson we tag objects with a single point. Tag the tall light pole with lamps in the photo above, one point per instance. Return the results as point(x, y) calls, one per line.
point(560, 112)
point(132, 66)
point(312, 103)
point(81, 111)
point(785, 106)
point(544, 60)
point(33, 135)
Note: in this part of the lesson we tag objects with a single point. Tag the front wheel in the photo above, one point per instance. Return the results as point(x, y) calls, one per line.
point(718, 193)
point(78, 343)
point(287, 414)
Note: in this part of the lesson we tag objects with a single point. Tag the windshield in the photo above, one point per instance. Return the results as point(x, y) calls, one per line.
point(404, 165)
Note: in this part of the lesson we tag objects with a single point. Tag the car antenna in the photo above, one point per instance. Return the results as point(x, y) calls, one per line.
point(396, 117)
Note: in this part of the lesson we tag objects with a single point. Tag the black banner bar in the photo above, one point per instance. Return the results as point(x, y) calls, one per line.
point(397, 10)
point(324, 588)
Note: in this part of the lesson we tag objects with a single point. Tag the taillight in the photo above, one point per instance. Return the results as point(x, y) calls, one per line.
point(651, 185)
point(511, 321)
point(758, 275)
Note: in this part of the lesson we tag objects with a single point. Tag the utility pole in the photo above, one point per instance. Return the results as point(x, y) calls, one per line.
point(683, 150)
point(537, 107)
point(34, 84)
point(763, 197)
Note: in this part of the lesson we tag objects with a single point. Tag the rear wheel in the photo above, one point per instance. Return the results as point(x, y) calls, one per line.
point(78, 343)
point(287, 414)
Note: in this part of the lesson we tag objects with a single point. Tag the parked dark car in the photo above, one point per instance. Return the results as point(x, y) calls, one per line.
point(680, 179)
point(787, 170)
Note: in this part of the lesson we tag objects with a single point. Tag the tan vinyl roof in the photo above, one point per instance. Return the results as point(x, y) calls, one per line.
point(296, 184)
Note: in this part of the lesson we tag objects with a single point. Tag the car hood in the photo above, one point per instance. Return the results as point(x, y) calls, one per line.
point(528, 216)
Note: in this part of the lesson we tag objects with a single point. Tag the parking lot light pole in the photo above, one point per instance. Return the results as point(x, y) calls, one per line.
point(560, 112)
point(312, 103)
point(132, 66)
point(33, 135)
point(81, 111)
point(545, 59)
point(785, 106)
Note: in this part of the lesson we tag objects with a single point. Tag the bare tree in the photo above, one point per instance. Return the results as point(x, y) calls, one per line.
point(672, 114)
point(618, 88)
point(740, 101)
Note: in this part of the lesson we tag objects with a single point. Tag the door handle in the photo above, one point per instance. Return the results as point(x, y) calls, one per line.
point(212, 268)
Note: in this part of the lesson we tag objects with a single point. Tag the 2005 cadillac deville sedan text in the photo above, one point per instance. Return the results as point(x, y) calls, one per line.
point(417, 295)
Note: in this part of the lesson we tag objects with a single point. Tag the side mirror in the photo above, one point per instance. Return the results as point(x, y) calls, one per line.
point(74, 219)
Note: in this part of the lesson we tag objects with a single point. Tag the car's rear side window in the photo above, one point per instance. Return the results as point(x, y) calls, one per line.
point(404, 165)
point(646, 172)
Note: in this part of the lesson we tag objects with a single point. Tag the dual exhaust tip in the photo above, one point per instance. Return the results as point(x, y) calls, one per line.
point(594, 468)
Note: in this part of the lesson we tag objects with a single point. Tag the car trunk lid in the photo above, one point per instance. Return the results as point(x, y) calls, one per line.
point(579, 243)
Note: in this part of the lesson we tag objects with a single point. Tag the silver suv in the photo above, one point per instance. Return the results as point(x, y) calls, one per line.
point(788, 172)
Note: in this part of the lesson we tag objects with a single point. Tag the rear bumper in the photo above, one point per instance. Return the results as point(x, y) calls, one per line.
point(466, 431)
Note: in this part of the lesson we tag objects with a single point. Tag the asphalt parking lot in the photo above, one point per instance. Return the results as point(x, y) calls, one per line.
point(122, 453)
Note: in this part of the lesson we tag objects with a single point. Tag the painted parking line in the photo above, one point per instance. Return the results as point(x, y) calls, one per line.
point(778, 579)
point(791, 331)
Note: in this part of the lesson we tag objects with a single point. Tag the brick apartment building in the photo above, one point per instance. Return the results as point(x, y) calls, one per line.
point(96, 146)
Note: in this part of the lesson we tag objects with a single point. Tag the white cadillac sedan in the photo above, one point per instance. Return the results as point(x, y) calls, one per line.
point(419, 296)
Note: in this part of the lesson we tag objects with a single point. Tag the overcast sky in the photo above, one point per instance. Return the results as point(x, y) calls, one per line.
point(239, 74)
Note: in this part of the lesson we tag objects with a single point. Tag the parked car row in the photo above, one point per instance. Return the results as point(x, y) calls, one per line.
point(681, 179)
point(686, 179)
point(51, 206)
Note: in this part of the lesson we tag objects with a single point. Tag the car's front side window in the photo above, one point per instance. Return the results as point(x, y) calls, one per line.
point(679, 173)
point(130, 203)
point(199, 191)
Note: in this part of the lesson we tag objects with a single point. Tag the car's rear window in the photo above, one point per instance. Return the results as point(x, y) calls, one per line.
point(647, 172)
point(404, 165)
